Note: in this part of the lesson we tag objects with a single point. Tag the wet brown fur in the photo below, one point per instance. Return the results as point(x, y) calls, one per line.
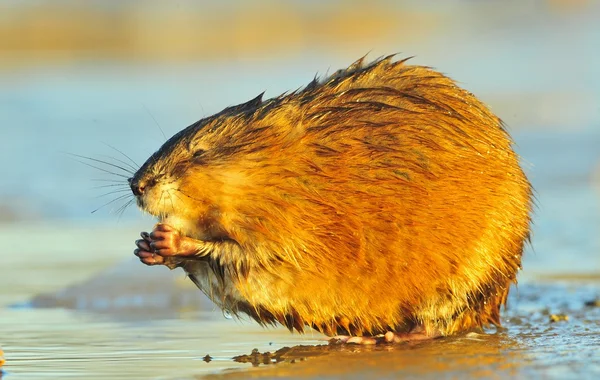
point(382, 198)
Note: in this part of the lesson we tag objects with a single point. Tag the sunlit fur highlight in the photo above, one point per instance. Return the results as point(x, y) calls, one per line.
point(384, 197)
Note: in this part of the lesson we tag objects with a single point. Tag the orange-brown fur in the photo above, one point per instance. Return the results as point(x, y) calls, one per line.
point(382, 198)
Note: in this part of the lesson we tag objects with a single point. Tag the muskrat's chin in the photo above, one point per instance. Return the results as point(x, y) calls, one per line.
point(161, 215)
point(145, 207)
point(140, 203)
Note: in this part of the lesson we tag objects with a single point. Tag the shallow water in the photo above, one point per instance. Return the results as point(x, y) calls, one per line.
point(73, 304)
point(50, 343)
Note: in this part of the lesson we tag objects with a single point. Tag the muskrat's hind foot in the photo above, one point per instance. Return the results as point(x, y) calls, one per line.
point(388, 337)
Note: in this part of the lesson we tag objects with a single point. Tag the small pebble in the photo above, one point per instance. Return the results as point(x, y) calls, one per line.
point(558, 317)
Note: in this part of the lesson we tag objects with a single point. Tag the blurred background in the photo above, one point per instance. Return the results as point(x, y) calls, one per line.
point(97, 77)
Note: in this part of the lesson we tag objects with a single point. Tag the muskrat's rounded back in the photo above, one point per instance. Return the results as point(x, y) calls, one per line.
point(385, 197)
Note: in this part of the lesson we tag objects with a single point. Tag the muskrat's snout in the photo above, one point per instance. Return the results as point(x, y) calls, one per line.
point(139, 185)
point(143, 185)
point(136, 187)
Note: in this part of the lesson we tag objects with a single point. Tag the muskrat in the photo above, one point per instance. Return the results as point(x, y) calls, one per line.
point(383, 199)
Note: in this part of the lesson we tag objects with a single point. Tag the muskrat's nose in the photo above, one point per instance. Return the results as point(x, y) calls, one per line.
point(136, 187)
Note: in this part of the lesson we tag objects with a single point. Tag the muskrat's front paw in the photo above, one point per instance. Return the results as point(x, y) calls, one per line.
point(145, 252)
point(166, 246)
point(166, 241)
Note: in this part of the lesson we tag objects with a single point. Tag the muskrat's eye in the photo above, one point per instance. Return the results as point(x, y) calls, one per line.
point(151, 182)
point(198, 153)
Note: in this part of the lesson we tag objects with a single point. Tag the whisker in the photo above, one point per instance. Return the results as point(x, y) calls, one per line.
point(164, 199)
point(160, 199)
point(102, 170)
point(124, 155)
point(102, 162)
point(187, 195)
point(124, 185)
point(171, 199)
point(126, 164)
point(121, 210)
point(114, 192)
point(178, 197)
point(113, 201)
point(106, 180)
point(156, 122)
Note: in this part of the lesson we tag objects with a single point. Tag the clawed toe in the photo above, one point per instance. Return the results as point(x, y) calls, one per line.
point(143, 245)
point(388, 337)
point(149, 258)
point(363, 340)
point(163, 246)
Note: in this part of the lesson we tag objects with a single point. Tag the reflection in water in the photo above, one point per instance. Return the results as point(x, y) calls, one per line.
point(473, 355)
point(529, 346)
point(282, 355)
point(124, 290)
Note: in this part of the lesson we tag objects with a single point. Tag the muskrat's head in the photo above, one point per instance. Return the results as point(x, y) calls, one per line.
point(172, 182)
point(187, 179)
